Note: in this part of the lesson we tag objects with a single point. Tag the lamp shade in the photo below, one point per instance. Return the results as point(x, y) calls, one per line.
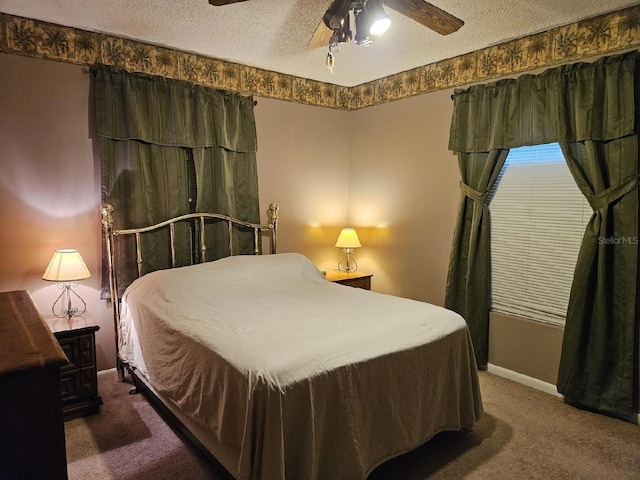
point(66, 265)
point(348, 238)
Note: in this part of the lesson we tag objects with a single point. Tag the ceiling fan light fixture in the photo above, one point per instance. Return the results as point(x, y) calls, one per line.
point(376, 17)
point(380, 26)
point(362, 28)
point(344, 35)
point(336, 13)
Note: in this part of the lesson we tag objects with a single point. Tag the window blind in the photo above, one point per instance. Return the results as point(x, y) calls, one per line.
point(538, 219)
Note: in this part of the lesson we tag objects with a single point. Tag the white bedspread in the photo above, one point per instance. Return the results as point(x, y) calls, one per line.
point(275, 317)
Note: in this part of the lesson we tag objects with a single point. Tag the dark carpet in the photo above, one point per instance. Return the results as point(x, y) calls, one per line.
point(524, 434)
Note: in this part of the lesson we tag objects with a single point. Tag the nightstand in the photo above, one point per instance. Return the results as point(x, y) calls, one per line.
point(353, 279)
point(79, 379)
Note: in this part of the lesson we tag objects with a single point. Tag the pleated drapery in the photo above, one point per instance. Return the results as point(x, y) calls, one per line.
point(150, 129)
point(598, 348)
point(163, 111)
point(571, 103)
point(591, 110)
point(470, 262)
point(225, 180)
point(146, 184)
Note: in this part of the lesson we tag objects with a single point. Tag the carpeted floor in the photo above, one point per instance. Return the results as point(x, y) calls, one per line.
point(524, 434)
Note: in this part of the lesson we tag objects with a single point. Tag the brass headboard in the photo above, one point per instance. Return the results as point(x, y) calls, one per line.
point(110, 233)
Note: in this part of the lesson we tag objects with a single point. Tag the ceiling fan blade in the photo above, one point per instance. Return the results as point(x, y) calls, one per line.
point(426, 14)
point(321, 37)
point(221, 3)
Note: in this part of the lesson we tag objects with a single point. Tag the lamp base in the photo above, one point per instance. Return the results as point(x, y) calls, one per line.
point(70, 311)
point(347, 264)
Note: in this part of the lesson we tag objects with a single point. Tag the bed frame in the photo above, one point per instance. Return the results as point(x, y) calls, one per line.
point(202, 218)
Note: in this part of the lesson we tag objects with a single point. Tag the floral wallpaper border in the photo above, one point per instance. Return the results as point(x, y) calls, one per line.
point(595, 36)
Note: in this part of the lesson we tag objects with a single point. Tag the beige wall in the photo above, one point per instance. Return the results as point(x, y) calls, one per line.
point(404, 194)
point(303, 165)
point(49, 183)
point(385, 170)
point(525, 346)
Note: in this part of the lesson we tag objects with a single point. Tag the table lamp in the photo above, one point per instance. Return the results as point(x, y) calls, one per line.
point(67, 267)
point(348, 240)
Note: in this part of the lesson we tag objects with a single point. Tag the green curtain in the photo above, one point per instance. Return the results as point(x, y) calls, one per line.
point(146, 184)
point(227, 183)
point(149, 129)
point(468, 290)
point(565, 104)
point(598, 350)
point(585, 103)
point(164, 111)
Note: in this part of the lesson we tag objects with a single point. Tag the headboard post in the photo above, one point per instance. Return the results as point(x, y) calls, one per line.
point(273, 224)
point(107, 227)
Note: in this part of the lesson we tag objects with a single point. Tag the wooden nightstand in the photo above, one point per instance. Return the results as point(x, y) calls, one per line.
point(79, 379)
point(353, 279)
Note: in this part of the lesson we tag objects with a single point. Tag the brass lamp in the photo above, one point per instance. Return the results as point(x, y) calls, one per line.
point(67, 267)
point(348, 240)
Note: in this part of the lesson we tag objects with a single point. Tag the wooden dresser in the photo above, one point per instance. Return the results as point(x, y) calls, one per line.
point(32, 443)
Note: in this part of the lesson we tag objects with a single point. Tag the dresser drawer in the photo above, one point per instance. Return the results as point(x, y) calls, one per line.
point(79, 379)
point(70, 386)
point(88, 382)
point(86, 346)
point(79, 350)
point(78, 384)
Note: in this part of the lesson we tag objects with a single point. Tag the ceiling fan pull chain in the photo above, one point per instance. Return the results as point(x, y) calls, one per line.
point(330, 58)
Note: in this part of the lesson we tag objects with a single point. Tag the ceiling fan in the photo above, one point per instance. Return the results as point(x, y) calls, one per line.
point(334, 26)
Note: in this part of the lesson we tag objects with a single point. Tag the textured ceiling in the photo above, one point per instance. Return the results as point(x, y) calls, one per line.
point(273, 34)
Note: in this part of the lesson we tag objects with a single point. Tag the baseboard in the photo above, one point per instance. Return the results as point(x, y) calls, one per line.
point(104, 372)
point(523, 379)
point(532, 382)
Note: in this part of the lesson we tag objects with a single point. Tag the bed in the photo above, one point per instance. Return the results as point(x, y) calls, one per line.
point(280, 374)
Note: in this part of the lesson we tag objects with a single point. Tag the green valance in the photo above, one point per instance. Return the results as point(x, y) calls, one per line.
point(563, 104)
point(169, 112)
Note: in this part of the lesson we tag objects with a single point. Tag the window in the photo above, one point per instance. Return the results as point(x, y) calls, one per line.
point(538, 219)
